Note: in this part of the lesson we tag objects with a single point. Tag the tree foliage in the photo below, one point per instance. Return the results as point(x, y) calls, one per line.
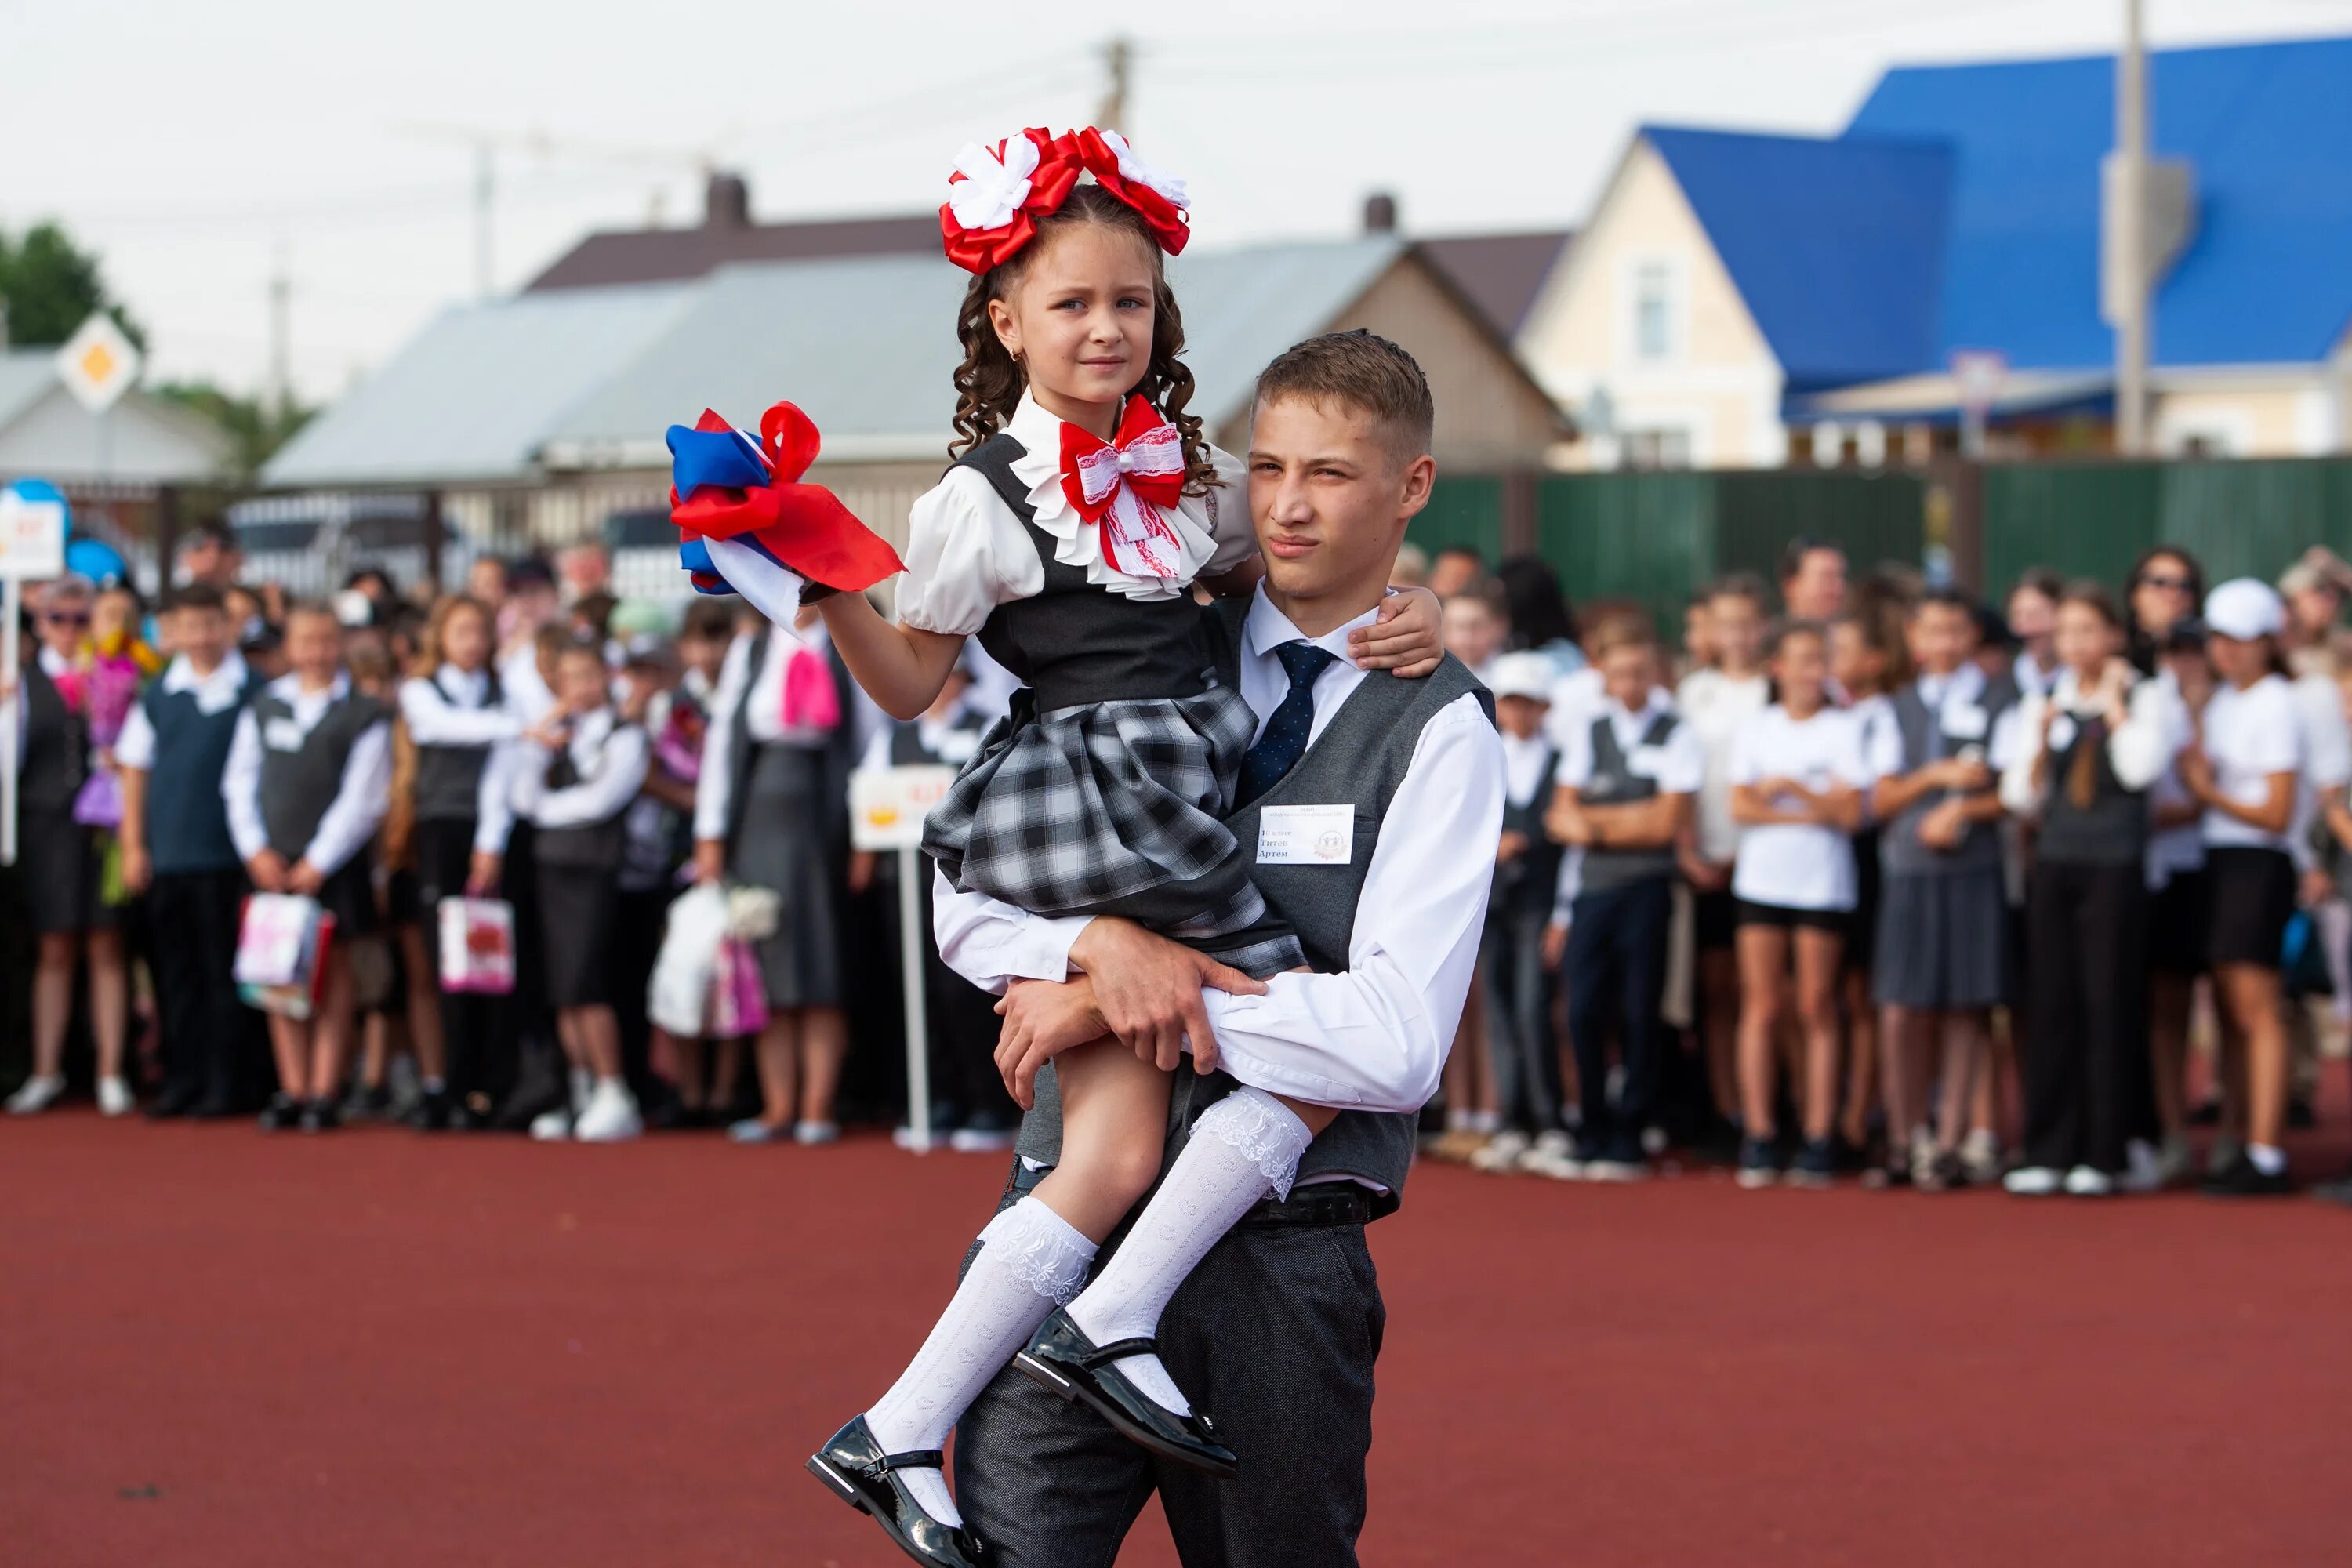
point(50, 286)
point(257, 426)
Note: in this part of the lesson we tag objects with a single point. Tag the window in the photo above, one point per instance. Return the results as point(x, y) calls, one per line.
point(1665, 447)
point(1654, 312)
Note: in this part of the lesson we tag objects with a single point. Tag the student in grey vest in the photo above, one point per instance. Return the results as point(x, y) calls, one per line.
point(455, 710)
point(1517, 981)
point(1944, 956)
point(1281, 1321)
point(2089, 751)
point(576, 772)
point(176, 849)
point(1623, 796)
point(308, 780)
point(979, 1115)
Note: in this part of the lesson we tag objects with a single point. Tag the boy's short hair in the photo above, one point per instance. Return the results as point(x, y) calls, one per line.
point(1944, 599)
point(711, 619)
point(1738, 585)
point(197, 597)
point(1621, 632)
point(1363, 371)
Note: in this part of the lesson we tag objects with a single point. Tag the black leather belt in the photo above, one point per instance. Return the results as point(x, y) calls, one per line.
point(1324, 1203)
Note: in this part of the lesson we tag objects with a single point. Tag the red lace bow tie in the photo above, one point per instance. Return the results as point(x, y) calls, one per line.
point(1124, 487)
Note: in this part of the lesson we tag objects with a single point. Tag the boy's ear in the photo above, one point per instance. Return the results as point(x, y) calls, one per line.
point(1420, 478)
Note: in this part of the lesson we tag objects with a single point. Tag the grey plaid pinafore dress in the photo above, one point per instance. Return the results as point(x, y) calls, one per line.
point(1103, 792)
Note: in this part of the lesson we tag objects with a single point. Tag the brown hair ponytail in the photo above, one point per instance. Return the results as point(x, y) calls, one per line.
point(990, 380)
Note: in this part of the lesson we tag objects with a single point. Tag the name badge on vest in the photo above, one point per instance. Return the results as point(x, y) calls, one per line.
point(1306, 835)
point(283, 735)
point(1964, 721)
point(2062, 731)
point(1646, 762)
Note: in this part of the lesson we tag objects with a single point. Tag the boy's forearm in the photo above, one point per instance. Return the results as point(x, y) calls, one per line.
point(134, 828)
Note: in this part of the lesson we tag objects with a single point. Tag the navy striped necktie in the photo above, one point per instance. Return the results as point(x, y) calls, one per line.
point(1285, 742)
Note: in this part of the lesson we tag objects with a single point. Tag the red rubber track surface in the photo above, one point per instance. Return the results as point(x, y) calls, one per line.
point(373, 1348)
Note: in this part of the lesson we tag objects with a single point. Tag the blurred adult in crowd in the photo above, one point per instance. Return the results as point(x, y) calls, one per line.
point(1538, 609)
point(1474, 630)
point(2314, 589)
point(1456, 569)
point(210, 554)
point(2164, 589)
point(585, 568)
point(2032, 613)
point(1412, 568)
point(485, 582)
point(1812, 580)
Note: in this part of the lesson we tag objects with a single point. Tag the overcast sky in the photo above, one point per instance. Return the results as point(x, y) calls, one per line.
point(195, 144)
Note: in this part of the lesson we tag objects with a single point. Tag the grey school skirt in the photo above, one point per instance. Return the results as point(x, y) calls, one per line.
point(782, 847)
point(1942, 941)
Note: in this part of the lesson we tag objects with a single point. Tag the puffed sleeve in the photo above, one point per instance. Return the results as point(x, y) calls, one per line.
point(966, 555)
point(1228, 515)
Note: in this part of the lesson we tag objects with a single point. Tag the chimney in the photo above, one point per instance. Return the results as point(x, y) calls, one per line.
point(726, 202)
point(1380, 213)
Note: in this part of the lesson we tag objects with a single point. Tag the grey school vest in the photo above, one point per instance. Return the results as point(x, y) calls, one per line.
point(2112, 830)
point(838, 755)
point(1526, 886)
point(53, 759)
point(587, 845)
point(449, 778)
point(187, 822)
point(1360, 758)
point(1615, 783)
point(298, 785)
point(1900, 852)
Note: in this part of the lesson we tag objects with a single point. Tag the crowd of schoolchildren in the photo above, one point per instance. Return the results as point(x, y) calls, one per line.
point(1876, 880)
point(482, 808)
point(1867, 879)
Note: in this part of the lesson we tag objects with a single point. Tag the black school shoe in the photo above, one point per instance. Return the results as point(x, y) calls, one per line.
point(283, 1114)
point(321, 1116)
point(1061, 1357)
point(853, 1468)
point(2242, 1178)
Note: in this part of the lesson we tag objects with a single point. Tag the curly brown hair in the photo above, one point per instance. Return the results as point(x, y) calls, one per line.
point(990, 381)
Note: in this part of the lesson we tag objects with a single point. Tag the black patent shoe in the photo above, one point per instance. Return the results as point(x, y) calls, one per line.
point(1061, 1357)
point(283, 1114)
point(853, 1468)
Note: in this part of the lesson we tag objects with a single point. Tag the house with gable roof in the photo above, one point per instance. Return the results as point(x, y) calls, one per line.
point(1748, 299)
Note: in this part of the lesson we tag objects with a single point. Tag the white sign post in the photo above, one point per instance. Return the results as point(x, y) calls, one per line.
point(32, 546)
point(886, 807)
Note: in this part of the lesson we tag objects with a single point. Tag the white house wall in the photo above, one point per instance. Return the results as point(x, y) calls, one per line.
point(143, 441)
point(1719, 383)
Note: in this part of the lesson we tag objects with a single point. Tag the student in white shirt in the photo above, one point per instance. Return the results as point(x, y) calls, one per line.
point(2246, 772)
point(2032, 615)
point(1473, 627)
point(577, 771)
point(1624, 792)
point(2089, 750)
point(2180, 915)
point(1867, 663)
point(1796, 772)
point(1714, 701)
point(308, 782)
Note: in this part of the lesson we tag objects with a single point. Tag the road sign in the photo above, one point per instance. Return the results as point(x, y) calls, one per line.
point(98, 364)
point(33, 518)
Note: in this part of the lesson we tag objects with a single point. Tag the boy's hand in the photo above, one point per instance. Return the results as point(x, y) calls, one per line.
point(138, 870)
point(1963, 774)
point(1404, 637)
point(1043, 1018)
point(710, 860)
point(1943, 827)
point(1509, 847)
point(1569, 826)
point(268, 871)
point(1148, 990)
point(305, 878)
point(482, 875)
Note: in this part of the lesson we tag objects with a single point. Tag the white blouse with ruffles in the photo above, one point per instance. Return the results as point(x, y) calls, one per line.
point(967, 553)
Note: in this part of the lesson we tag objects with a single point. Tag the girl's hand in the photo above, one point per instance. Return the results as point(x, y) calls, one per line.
point(710, 862)
point(268, 871)
point(482, 876)
point(305, 878)
point(1405, 638)
point(2196, 771)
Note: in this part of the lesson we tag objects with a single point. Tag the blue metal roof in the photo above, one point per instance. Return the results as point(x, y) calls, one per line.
point(1835, 245)
point(2268, 275)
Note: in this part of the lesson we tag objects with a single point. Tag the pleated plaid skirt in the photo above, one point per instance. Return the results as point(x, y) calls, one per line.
point(1114, 808)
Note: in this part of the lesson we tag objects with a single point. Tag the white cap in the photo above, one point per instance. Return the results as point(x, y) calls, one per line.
point(2244, 608)
point(1522, 675)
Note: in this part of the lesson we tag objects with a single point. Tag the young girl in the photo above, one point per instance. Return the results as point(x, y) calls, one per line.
point(2092, 748)
point(308, 782)
point(1796, 774)
point(703, 1078)
point(1083, 508)
point(2244, 771)
point(576, 772)
point(454, 709)
point(1867, 663)
point(2180, 915)
point(63, 862)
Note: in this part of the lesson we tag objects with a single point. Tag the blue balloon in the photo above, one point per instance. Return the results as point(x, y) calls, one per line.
point(96, 560)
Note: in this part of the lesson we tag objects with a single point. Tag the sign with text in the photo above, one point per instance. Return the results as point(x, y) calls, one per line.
point(33, 518)
point(886, 805)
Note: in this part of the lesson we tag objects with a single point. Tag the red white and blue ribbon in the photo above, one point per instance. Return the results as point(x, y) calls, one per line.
point(746, 523)
point(1125, 486)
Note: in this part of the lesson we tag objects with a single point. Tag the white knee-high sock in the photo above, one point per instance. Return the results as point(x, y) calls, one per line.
point(1243, 1147)
point(1031, 1260)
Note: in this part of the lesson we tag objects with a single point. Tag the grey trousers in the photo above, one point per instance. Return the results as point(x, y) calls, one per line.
point(1273, 1335)
point(1524, 1054)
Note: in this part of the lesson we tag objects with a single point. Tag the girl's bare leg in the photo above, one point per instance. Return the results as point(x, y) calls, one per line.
point(1820, 956)
point(1721, 1007)
point(2169, 996)
point(2250, 993)
point(1114, 1126)
point(825, 1043)
point(1862, 1060)
point(726, 1072)
point(290, 1047)
point(109, 1000)
point(330, 1035)
point(1897, 1054)
point(1964, 1052)
point(423, 1008)
point(53, 1000)
point(1763, 958)
point(598, 1031)
point(779, 1063)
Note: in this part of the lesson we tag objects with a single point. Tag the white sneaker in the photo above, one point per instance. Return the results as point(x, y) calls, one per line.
point(2033, 1182)
point(552, 1126)
point(1980, 1156)
point(1502, 1151)
point(2175, 1160)
point(37, 1093)
point(1558, 1165)
point(611, 1115)
point(114, 1098)
point(2089, 1182)
point(807, 1132)
point(582, 1085)
point(983, 1139)
point(2142, 1170)
point(1547, 1149)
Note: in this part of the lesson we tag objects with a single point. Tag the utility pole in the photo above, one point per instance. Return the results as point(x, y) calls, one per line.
point(2131, 225)
point(485, 198)
point(281, 292)
point(1119, 55)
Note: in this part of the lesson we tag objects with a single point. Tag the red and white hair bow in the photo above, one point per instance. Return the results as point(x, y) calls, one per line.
point(997, 194)
point(1124, 487)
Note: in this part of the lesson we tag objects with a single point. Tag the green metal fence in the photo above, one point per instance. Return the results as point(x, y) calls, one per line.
point(2093, 519)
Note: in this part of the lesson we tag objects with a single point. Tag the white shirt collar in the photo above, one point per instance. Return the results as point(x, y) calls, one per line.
point(288, 686)
point(1039, 431)
point(466, 685)
point(1266, 628)
point(181, 676)
point(1961, 686)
